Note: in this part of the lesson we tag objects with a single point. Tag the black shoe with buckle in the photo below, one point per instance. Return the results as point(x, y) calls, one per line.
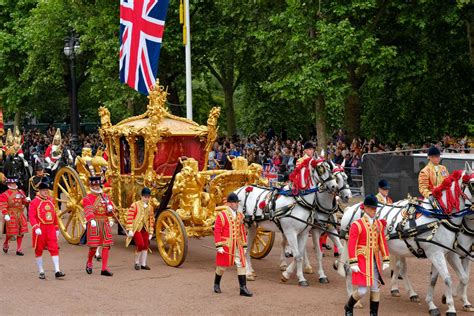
point(5, 250)
point(42, 276)
point(59, 274)
point(89, 269)
point(137, 266)
point(19, 253)
point(145, 267)
point(106, 273)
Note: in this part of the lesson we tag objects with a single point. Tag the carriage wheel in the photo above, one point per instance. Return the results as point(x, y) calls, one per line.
point(263, 244)
point(171, 238)
point(68, 193)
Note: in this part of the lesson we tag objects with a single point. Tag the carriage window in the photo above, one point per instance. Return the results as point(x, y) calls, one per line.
point(125, 162)
point(139, 152)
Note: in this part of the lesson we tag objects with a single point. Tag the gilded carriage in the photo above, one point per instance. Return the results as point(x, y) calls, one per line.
point(168, 154)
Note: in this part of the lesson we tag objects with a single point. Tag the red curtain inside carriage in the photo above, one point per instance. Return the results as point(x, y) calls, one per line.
point(169, 152)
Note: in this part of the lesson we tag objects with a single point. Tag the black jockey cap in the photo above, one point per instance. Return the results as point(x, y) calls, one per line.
point(371, 201)
point(383, 184)
point(308, 145)
point(95, 180)
point(433, 151)
point(146, 191)
point(232, 197)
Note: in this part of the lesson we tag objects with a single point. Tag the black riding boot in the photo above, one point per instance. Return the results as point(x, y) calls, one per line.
point(349, 307)
point(374, 308)
point(243, 286)
point(217, 283)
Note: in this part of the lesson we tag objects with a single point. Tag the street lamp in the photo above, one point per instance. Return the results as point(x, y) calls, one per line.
point(71, 49)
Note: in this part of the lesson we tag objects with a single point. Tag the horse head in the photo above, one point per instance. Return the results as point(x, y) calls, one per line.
point(343, 189)
point(321, 173)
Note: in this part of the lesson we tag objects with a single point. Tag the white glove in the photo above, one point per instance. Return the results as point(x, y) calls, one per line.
point(26, 163)
point(150, 236)
point(130, 233)
point(220, 250)
point(110, 208)
point(93, 223)
point(48, 160)
point(7, 218)
point(111, 224)
point(355, 268)
point(22, 156)
point(35, 156)
point(38, 231)
point(57, 234)
point(28, 199)
point(385, 265)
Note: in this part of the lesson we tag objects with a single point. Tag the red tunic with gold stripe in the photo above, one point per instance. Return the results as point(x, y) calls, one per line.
point(95, 207)
point(366, 243)
point(11, 203)
point(229, 233)
point(42, 214)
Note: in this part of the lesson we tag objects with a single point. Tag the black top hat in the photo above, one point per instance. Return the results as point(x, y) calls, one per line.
point(383, 184)
point(371, 200)
point(232, 197)
point(433, 151)
point(308, 145)
point(146, 192)
point(95, 180)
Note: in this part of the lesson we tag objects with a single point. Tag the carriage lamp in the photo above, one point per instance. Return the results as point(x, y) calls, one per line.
point(71, 49)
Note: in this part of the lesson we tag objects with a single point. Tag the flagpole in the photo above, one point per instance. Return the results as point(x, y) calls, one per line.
point(189, 90)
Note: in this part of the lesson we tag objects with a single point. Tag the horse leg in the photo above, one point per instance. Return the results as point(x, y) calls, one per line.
point(316, 234)
point(429, 294)
point(252, 231)
point(402, 267)
point(456, 263)
point(440, 264)
point(467, 306)
point(302, 238)
point(291, 239)
point(283, 263)
point(394, 290)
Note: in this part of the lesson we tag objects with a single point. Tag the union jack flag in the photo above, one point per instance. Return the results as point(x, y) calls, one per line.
point(142, 23)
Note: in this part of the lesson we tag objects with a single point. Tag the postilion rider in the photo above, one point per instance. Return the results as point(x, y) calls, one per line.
point(99, 212)
point(140, 224)
point(366, 240)
point(231, 242)
point(44, 224)
point(432, 175)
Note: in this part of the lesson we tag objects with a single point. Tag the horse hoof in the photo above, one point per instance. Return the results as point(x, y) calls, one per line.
point(283, 278)
point(283, 267)
point(323, 280)
point(358, 305)
point(450, 313)
point(308, 270)
point(395, 293)
point(254, 274)
point(334, 265)
point(303, 283)
point(434, 312)
point(250, 277)
point(414, 298)
point(443, 299)
point(468, 308)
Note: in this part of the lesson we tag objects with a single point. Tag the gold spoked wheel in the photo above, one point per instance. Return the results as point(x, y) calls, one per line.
point(68, 192)
point(171, 238)
point(263, 243)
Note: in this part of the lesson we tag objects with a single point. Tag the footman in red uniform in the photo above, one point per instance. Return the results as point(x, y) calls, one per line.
point(231, 242)
point(366, 240)
point(12, 203)
point(99, 215)
point(44, 224)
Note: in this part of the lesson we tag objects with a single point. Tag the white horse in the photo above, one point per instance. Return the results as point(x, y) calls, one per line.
point(291, 214)
point(426, 235)
point(327, 206)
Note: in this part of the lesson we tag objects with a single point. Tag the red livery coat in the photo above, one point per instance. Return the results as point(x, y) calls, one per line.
point(42, 214)
point(365, 243)
point(11, 203)
point(230, 234)
point(95, 207)
point(49, 153)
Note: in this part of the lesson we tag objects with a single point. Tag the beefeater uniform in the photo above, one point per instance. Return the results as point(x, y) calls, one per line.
point(229, 233)
point(11, 204)
point(430, 177)
point(98, 207)
point(141, 221)
point(42, 214)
